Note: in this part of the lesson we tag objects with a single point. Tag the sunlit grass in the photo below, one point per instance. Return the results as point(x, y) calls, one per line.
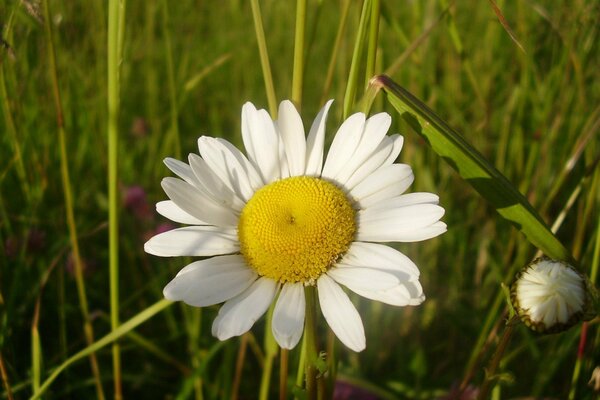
point(186, 70)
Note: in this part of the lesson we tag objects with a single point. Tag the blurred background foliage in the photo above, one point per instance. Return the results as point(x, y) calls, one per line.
point(187, 68)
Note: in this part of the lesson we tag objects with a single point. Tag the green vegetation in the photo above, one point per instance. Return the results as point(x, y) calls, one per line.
point(183, 69)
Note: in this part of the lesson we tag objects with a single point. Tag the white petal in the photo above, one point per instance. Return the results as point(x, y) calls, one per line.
point(398, 143)
point(261, 142)
point(197, 203)
point(315, 142)
point(237, 316)
point(363, 278)
point(212, 281)
point(213, 185)
point(382, 257)
point(404, 294)
point(181, 169)
point(386, 182)
point(344, 145)
point(375, 130)
point(169, 209)
point(193, 241)
point(288, 316)
point(387, 223)
point(389, 233)
point(230, 165)
point(291, 130)
point(340, 314)
point(389, 148)
point(407, 199)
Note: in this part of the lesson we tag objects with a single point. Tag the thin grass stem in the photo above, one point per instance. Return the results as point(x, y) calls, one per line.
point(373, 39)
point(174, 129)
point(116, 23)
point(239, 366)
point(353, 78)
point(68, 199)
point(336, 50)
point(5, 381)
point(264, 58)
point(298, 73)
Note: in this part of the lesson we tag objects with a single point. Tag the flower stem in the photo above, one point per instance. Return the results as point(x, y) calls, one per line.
point(490, 373)
point(271, 348)
point(283, 373)
point(298, 75)
point(311, 347)
point(68, 197)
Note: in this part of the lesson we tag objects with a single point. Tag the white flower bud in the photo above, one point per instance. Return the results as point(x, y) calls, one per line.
point(550, 296)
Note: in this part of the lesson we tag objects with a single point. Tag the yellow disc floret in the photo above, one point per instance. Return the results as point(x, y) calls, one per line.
point(294, 229)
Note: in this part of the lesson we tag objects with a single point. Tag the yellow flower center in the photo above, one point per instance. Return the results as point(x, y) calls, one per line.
point(294, 229)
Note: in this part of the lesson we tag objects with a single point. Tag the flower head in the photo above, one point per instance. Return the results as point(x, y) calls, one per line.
point(279, 218)
point(550, 296)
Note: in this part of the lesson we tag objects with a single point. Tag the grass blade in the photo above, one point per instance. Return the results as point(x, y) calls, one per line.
point(123, 329)
point(474, 168)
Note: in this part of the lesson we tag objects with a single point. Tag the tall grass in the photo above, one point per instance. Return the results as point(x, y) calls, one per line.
point(186, 68)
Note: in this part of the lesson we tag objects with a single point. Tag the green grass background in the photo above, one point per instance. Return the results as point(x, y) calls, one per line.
point(187, 68)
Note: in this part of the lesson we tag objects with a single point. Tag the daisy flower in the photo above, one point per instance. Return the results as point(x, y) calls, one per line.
point(278, 218)
point(550, 296)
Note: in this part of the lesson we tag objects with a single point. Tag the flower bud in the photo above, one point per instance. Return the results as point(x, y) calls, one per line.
point(550, 296)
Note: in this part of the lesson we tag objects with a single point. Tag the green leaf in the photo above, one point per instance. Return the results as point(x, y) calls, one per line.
point(474, 168)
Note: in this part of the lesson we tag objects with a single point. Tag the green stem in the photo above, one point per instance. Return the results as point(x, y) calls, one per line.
point(264, 58)
point(123, 329)
point(10, 127)
point(271, 348)
point(311, 345)
point(116, 22)
point(283, 373)
point(298, 75)
point(68, 198)
point(336, 50)
point(353, 80)
point(373, 36)
point(490, 373)
point(174, 130)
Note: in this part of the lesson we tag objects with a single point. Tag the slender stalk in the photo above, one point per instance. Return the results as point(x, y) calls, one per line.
point(271, 347)
point(336, 49)
point(373, 37)
point(174, 130)
point(311, 345)
point(68, 198)
point(283, 373)
point(239, 365)
point(116, 23)
point(353, 80)
point(495, 361)
point(123, 329)
point(264, 58)
point(194, 327)
point(5, 382)
point(298, 75)
point(301, 363)
point(12, 133)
